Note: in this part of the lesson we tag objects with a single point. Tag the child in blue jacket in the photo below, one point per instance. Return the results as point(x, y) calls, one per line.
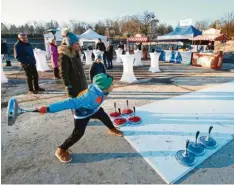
point(87, 105)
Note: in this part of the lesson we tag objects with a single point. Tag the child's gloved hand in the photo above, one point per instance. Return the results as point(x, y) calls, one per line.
point(42, 109)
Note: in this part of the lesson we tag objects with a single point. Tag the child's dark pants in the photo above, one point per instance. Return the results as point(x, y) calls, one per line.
point(80, 126)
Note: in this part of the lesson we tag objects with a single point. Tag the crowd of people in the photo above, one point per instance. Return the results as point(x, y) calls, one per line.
point(84, 101)
point(107, 53)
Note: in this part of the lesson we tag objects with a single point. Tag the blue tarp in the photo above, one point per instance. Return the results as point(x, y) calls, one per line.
point(176, 57)
point(186, 32)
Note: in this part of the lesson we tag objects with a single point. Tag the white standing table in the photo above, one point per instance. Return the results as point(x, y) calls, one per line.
point(88, 56)
point(154, 67)
point(138, 58)
point(41, 62)
point(3, 76)
point(119, 52)
point(81, 57)
point(128, 74)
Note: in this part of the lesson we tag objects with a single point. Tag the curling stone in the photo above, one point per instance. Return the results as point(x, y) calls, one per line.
point(127, 111)
point(134, 119)
point(195, 147)
point(207, 141)
point(184, 157)
point(115, 114)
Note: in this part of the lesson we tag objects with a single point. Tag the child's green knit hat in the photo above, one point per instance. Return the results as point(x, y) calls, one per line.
point(103, 81)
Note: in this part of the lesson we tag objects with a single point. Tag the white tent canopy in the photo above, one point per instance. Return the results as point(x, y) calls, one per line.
point(87, 36)
point(50, 35)
point(91, 35)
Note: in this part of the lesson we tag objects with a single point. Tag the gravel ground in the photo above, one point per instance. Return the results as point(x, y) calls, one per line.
point(28, 147)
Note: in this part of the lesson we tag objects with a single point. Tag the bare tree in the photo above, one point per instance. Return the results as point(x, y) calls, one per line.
point(228, 23)
point(145, 23)
point(161, 29)
point(202, 25)
point(169, 29)
point(13, 29)
point(148, 23)
point(216, 24)
point(100, 27)
point(4, 29)
point(31, 30)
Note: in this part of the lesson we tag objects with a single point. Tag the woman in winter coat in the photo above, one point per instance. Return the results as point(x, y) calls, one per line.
point(71, 69)
point(54, 58)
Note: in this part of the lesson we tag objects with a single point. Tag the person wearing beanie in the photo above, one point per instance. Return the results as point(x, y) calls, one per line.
point(96, 68)
point(71, 67)
point(87, 105)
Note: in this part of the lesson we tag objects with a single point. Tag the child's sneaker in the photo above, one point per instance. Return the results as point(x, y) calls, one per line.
point(63, 155)
point(115, 132)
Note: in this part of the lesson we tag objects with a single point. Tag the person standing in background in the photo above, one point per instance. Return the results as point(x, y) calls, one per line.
point(23, 53)
point(71, 70)
point(121, 46)
point(101, 46)
point(54, 58)
point(96, 68)
point(139, 46)
point(109, 56)
point(4, 51)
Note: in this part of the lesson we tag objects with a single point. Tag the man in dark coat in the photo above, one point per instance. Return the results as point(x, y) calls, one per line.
point(139, 47)
point(121, 46)
point(23, 52)
point(101, 46)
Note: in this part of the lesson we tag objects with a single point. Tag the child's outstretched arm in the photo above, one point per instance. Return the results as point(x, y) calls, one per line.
point(70, 103)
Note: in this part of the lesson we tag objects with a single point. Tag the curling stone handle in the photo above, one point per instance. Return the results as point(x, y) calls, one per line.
point(27, 110)
point(134, 110)
point(211, 127)
point(115, 106)
point(127, 103)
point(119, 110)
point(197, 134)
point(186, 147)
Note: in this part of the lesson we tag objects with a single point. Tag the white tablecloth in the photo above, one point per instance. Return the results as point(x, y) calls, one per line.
point(98, 52)
point(154, 67)
point(81, 57)
point(88, 56)
point(205, 61)
point(119, 52)
point(128, 74)
point(41, 62)
point(3, 76)
point(138, 58)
